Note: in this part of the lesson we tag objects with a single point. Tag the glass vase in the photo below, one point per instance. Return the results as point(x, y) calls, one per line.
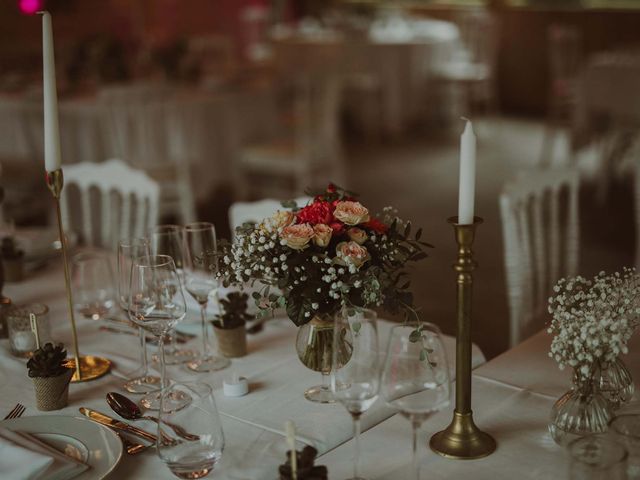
point(615, 383)
point(314, 345)
point(581, 411)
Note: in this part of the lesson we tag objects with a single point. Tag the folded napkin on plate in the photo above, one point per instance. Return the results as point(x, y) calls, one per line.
point(22, 456)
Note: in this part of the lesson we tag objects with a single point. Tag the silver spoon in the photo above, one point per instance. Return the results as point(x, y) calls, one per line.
point(129, 410)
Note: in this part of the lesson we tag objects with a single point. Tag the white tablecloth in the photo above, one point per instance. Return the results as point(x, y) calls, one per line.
point(253, 425)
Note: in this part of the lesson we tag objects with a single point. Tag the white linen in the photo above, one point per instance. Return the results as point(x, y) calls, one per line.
point(19, 462)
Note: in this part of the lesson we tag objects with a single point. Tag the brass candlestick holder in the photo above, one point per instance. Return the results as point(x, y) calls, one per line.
point(87, 367)
point(462, 439)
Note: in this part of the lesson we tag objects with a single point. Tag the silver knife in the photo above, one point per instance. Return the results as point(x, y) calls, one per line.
point(114, 423)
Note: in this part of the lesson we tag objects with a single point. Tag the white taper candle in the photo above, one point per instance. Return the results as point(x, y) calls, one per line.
point(51, 131)
point(466, 192)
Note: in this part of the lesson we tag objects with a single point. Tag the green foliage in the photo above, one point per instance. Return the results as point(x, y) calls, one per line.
point(48, 361)
point(234, 308)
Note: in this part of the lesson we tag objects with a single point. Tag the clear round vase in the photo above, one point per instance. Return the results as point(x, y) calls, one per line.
point(314, 345)
point(615, 383)
point(581, 411)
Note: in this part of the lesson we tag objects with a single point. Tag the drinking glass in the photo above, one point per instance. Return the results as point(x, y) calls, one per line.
point(415, 376)
point(597, 457)
point(93, 287)
point(626, 430)
point(190, 439)
point(169, 240)
point(128, 251)
point(355, 373)
point(22, 339)
point(200, 282)
point(157, 304)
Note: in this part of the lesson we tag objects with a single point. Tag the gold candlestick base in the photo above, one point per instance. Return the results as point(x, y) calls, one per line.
point(91, 367)
point(462, 439)
point(87, 367)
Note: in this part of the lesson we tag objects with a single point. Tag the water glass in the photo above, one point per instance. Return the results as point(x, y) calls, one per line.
point(21, 338)
point(190, 439)
point(626, 430)
point(94, 292)
point(597, 457)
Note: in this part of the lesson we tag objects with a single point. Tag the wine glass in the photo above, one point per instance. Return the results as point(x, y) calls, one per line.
point(190, 439)
point(355, 373)
point(200, 282)
point(168, 240)
point(93, 290)
point(128, 251)
point(157, 304)
point(415, 376)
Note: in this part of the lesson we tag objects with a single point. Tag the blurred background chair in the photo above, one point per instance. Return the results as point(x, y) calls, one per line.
point(564, 43)
point(308, 155)
point(107, 201)
point(471, 72)
point(244, 212)
point(539, 212)
point(138, 122)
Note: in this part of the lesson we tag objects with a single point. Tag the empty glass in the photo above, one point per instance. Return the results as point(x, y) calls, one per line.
point(355, 373)
point(200, 282)
point(597, 457)
point(156, 303)
point(93, 287)
point(415, 376)
point(169, 240)
point(128, 251)
point(626, 430)
point(21, 338)
point(190, 439)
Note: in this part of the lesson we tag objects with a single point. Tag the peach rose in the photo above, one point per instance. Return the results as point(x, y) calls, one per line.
point(357, 235)
point(322, 235)
point(280, 219)
point(351, 253)
point(297, 236)
point(351, 213)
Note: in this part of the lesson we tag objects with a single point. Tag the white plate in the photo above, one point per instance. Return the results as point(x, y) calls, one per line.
point(95, 445)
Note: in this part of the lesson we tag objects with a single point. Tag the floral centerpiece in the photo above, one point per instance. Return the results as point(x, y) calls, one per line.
point(322, 259)
point(328, 255)
point(592, 321)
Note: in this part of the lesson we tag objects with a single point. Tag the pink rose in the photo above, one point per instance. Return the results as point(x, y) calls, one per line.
point(297, 236)
point(351, 253)
point(281, 219)
point(357, 235)
point(322, 235)
point(351, 213)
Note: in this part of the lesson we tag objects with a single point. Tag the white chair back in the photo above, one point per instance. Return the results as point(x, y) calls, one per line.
point(541, 241)
point(244, 212)
point(127, 203)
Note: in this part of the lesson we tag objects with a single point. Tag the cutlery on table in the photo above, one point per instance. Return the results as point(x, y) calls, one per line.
point(129, 410)
point(16, 412)
point(117, 424)
point(130, 447)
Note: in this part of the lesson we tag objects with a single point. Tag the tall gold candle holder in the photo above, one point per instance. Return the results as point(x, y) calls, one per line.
point(87, 367)
point(462, 439)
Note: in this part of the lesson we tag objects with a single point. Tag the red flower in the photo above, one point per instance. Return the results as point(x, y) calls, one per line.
point(317, 212)
point(376, 225)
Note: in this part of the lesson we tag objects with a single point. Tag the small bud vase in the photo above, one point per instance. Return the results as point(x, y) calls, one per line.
point(615, 383)
point(581, 411)
point(314, 345)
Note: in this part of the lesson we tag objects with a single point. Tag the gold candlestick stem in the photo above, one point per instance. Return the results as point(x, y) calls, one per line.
point(86, 367)
point(462, 439)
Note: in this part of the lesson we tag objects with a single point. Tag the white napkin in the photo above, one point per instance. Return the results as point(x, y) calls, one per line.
point(24, 457)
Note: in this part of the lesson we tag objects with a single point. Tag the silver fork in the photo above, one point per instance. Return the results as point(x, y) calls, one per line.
point(17, 412)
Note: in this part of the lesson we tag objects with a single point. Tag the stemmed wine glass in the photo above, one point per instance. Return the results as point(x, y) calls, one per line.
point(200, 282)
point(355, 373)
point(415, 376)
point(157, 304)
point(168, 240)
point(94, 294)
point(128, 251)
